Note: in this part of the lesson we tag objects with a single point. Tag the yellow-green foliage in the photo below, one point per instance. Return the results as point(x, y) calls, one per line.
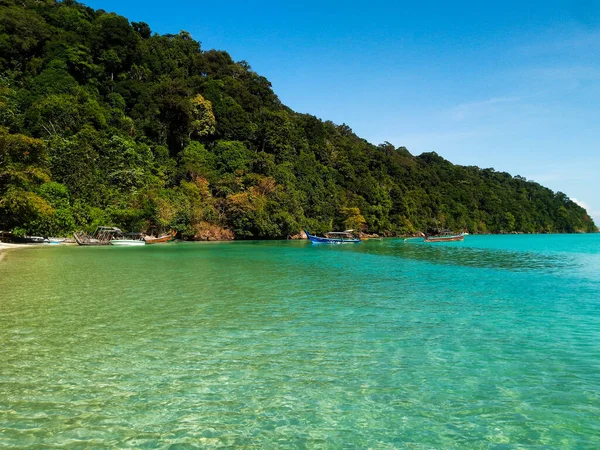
point(103, 122)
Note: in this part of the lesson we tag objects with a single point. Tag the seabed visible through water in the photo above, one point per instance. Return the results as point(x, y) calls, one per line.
point(493, 342)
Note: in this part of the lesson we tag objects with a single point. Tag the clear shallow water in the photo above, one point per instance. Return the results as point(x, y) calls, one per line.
point(490, 343)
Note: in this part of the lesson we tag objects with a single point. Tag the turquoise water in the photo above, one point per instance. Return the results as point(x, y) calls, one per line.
point(489, 343)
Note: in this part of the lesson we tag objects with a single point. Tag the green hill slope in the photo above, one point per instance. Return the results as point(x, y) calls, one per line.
point(104, 122)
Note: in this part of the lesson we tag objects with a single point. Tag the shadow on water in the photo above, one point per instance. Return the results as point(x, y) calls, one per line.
point(489, 252)
point(452, 254)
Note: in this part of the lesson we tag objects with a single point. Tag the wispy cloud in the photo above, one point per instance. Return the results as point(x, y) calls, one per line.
point(565, 72)
point(581, 203)
point(465, 110)
point(566, 41)
point(561, 58)
point(435, 139)
point(572, 168)
point(558, 175)
point(594, 213)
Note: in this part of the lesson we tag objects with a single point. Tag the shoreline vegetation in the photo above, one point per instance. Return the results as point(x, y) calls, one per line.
point(103, 122)
point(299, 237)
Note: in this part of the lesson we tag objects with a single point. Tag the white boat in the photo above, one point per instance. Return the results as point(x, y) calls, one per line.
point(55, 241)
point(127, 242)
point(128, 239)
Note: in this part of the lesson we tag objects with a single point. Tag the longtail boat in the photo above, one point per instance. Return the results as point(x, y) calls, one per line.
point(101, 236)
point(29, 240)
point(128, 239)
point(127, 242)
point(444, 238)
point(158, 240)
point(334, 237)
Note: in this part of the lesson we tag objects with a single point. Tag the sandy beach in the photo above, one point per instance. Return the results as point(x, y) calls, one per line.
point(4, 246)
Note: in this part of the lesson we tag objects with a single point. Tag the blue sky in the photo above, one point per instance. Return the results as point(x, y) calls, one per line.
point(514, 86)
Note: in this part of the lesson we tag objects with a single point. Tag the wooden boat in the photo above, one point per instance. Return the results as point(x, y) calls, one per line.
point(334, 237)
point(445, 238)
point(158, 240)
point(128, 240)
point(29, 240)
point(101, 236)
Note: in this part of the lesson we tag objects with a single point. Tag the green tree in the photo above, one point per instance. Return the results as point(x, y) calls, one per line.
point(103, 122)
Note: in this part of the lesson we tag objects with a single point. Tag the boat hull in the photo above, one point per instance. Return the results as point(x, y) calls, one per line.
point(158, 240)
point(29, 240)
point(55, 241)
point(459, 237)
point(126, 242)
point(102, 238)
point(324, 240)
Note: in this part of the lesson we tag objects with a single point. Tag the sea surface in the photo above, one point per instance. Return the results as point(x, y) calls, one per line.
point(489, 343)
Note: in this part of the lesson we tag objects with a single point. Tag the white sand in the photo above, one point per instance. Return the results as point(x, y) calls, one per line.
point(4, 246)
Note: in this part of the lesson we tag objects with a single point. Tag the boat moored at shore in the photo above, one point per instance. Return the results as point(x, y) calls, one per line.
point(128, 240)
point(334, 237)
point(101, 236)
point(29, 240)
point(158, 240)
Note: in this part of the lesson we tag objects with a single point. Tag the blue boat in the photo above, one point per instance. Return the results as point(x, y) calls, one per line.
point(334, 237)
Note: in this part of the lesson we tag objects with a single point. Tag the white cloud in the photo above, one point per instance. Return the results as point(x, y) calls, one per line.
point(478, 108)
point(594, 214)
point(582, 204)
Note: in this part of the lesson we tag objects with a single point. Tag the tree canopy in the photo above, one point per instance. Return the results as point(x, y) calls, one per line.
point(103, 122)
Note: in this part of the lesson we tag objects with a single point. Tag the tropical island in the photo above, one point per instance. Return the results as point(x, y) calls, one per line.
point(103, 122)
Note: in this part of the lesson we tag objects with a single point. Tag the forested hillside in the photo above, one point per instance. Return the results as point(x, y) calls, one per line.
point(103, 122)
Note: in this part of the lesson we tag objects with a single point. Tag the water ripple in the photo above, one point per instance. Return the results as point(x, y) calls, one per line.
point(494, 342)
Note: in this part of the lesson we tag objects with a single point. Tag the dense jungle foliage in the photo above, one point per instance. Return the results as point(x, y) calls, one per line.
point(103, 122)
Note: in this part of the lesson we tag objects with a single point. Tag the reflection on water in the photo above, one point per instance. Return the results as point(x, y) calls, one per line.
point(519, 259)
point(493, 342)
point(477, 257)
